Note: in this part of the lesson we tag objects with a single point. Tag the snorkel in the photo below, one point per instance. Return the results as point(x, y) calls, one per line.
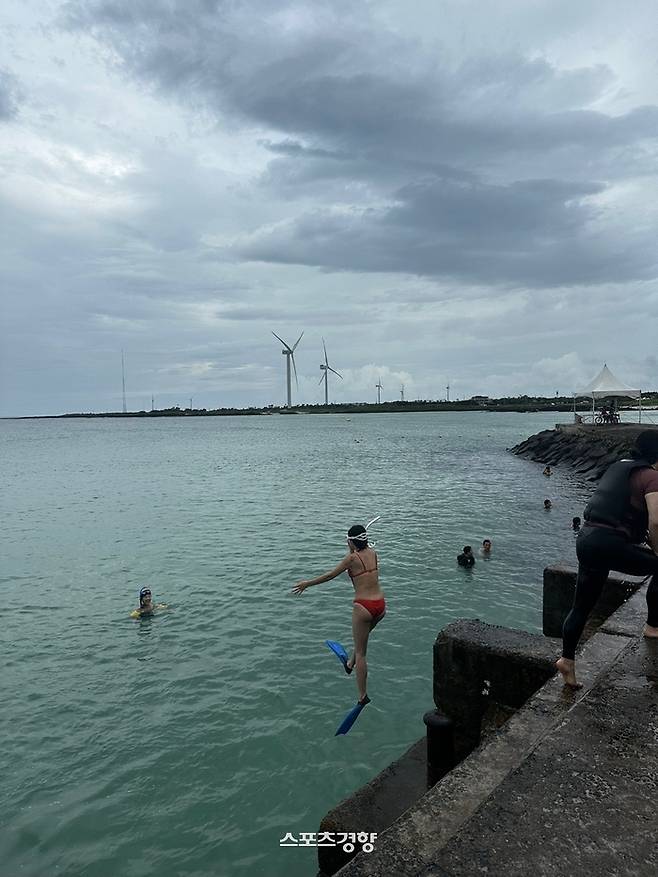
point(358, 534)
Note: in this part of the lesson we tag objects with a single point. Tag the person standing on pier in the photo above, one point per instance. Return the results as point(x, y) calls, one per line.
point(621, 516)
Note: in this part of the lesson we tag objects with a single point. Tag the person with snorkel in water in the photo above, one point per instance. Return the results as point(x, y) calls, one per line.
point(146, 605)
point(369, 605)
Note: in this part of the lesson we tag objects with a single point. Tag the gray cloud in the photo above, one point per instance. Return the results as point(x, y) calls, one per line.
point(10, 95)
point(442, 192)
point(351, 88)
point(369, 118)
point(538, 233)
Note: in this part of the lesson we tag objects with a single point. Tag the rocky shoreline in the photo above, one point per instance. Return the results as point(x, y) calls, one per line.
point(586, 448)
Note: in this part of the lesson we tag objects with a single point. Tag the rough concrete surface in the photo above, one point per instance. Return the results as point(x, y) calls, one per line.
point(478, 666)
point(558, 592)
point(585, 801)
point(568, 786)
point(375, 806)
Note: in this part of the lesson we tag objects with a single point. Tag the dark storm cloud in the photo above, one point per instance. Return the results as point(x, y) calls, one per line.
point(536, 232)
point(351, 88)
point(368, 118)
point(176, 179)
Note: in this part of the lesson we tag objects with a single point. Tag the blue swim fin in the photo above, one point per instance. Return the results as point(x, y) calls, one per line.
point(350, 718)
point(340, 653)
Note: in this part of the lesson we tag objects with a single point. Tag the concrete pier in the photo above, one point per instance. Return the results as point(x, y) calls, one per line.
point(551, 782)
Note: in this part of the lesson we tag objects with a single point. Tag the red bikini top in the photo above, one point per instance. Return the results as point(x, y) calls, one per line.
point(364, 570)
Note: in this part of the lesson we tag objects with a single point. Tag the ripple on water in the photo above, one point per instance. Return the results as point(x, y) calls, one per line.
point(191, 742)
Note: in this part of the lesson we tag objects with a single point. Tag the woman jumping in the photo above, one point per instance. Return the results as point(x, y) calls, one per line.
point(369, 604)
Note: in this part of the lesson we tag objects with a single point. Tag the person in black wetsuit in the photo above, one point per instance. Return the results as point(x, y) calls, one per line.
point(466, 558)
point(621, 516)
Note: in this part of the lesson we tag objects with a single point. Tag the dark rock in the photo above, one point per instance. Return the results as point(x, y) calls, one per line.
point(585, 448)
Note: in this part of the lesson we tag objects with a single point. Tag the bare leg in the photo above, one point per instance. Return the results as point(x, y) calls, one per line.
point(361, 627)
point(650, 632)
point(373, 624)
point(568, 670)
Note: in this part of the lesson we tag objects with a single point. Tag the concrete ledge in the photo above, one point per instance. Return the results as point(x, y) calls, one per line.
point(376, 806)
point(583, 802)
point(418, 842)
point(630, 618)
point(483, 673)
point(559, 588)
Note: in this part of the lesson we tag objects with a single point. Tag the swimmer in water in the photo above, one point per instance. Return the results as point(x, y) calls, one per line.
point(548, 505)
point(547, 471)
point(485, 551)
point(146, 605)
point(369, 606)
point(466, 558)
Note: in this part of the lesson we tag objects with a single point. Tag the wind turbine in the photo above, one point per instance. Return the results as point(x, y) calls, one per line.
point(379, 391)
point(289, 353)
point(123, 382)
point(326, 368)
point(402, 393)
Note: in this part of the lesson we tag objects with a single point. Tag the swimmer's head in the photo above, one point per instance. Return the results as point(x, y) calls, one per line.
point(486, 544)
point(358, 536)
point(646, 445)
point(145, 596)
point(468, 549)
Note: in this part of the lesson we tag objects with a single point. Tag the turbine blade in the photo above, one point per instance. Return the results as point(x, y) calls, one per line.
point(287, 346)
point(294, 347)
point(326, 361)
point(294, 368)
point(322, 378)
point(335, 372)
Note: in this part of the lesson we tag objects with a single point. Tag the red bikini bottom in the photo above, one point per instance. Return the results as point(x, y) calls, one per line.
point(377, 608)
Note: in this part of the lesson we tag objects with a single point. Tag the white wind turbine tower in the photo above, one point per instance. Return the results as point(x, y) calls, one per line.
point(326, 368)
point(289, 353)
point(379, 391)
point(402, 393)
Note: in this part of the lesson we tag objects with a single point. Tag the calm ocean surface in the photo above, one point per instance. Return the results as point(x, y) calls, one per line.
point(190, 743)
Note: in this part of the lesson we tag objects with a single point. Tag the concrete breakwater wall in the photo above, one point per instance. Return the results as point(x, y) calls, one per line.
point(587, 449)
point(544, 780)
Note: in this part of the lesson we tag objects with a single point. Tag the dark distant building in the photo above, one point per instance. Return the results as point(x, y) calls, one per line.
point(481, 400)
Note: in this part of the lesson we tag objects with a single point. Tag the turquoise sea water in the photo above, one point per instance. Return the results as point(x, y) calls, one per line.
point(190, 743)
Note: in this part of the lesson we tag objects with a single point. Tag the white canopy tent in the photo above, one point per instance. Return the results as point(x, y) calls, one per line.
point(606, 386)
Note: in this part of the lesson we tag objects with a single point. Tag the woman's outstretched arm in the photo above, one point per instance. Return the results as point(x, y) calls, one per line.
point(300, 587)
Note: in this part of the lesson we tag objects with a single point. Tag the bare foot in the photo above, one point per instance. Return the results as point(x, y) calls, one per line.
point(650, 632)
point(568, 670)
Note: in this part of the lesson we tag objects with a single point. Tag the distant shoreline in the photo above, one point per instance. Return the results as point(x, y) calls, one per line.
point(521, 405)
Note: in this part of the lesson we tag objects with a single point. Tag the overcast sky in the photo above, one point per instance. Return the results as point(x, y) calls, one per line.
point(445, 190)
